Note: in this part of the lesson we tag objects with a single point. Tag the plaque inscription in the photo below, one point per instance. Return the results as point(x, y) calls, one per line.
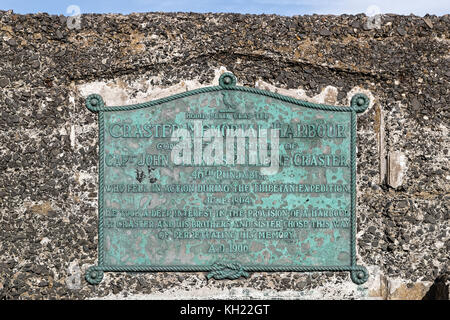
point(227, 180)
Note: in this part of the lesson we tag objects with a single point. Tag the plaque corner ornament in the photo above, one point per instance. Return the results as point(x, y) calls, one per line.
point(94, 102)
point(360, 102)
point(94, 275)
point(359, 274)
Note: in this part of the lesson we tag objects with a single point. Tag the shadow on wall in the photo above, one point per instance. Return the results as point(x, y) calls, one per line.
point(439, 289)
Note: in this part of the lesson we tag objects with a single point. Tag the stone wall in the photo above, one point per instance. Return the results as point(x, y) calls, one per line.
point(48, 150)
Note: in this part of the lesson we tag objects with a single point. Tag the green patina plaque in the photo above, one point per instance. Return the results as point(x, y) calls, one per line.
point(179, 192)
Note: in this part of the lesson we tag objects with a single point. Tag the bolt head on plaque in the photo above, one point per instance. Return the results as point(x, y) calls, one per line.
point(94, 102)
point(94, 275)
point(227, 80)
point(360, 102)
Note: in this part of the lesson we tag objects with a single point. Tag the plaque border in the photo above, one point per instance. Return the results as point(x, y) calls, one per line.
point(225, 269)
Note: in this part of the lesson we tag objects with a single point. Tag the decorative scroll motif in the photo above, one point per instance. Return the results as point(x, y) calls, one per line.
point(94, 275)
point(225, 269)
point(221, 270)
point(359, 275)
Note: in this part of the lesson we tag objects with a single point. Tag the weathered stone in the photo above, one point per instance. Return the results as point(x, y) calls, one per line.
point(428, 22)
point(12, 42)
point(4, 82)
point(401, 31)
point(325, 32)
point(48, 159)
point(397, 166)
point(403, 292)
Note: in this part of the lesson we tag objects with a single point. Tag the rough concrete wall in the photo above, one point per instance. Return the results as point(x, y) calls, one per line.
point(48, 150)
